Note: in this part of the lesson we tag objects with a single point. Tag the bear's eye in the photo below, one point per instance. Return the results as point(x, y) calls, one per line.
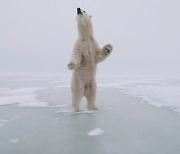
point(84, 11)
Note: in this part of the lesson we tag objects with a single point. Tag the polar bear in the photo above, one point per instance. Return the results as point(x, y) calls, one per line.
point(85, 57)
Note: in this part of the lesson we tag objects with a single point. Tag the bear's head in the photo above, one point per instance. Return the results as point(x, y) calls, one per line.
point(84, 24)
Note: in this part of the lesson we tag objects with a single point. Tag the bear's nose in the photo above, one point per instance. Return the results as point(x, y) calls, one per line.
point(79, 11)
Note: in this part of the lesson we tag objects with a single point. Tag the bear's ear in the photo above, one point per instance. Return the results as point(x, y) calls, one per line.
point(90, 16)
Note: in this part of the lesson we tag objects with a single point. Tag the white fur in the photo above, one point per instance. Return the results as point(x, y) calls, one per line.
point(86, 54)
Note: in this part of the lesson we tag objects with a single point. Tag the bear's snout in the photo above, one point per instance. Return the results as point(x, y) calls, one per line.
point(79, 11)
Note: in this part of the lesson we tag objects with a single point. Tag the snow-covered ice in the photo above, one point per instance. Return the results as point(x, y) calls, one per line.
point(136, 116)
point(21, 96)
point(96, 132)
point(69, 111)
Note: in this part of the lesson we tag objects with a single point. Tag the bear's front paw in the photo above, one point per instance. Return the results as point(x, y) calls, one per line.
point(108, 48)
point(71, 66)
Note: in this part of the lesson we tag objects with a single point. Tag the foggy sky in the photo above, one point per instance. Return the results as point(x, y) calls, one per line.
point(38, 35)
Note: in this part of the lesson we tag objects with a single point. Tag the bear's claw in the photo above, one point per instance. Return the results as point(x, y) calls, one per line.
point(108, 48)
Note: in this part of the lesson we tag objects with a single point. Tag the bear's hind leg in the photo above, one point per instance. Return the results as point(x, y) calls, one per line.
point(77, 89)
point(76, 99)
point(90, 93)
point(91, 103)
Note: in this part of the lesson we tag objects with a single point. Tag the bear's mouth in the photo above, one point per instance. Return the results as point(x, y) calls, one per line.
point(79, 11)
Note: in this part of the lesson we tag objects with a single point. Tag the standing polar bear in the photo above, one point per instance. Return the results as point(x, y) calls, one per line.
point(85, 57)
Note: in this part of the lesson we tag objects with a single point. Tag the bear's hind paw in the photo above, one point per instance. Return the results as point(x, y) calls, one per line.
point(93, 108)
point(76, 109)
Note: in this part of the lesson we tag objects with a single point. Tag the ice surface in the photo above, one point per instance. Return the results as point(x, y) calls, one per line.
point(36, 116)
point(69, 111)
point(96, 132)
point(160, 92)
point(159, 96)
point(6, 119)
point(3, 122)
point(14, 140)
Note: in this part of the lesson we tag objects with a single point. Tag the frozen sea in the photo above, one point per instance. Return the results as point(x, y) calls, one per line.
point(137, 115)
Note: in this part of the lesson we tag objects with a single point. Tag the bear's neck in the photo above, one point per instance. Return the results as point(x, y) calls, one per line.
point(85, 34)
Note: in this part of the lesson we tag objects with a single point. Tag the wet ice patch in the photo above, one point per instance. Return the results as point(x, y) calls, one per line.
point(34, 104)
point(63, 109)
point(3, 122)
point(21, 96)
point(96, 132)
point(25, 90)
point(157, 91)
point(159, 96)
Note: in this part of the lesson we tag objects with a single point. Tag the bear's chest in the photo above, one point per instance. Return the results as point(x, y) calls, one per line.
point(88, 52)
